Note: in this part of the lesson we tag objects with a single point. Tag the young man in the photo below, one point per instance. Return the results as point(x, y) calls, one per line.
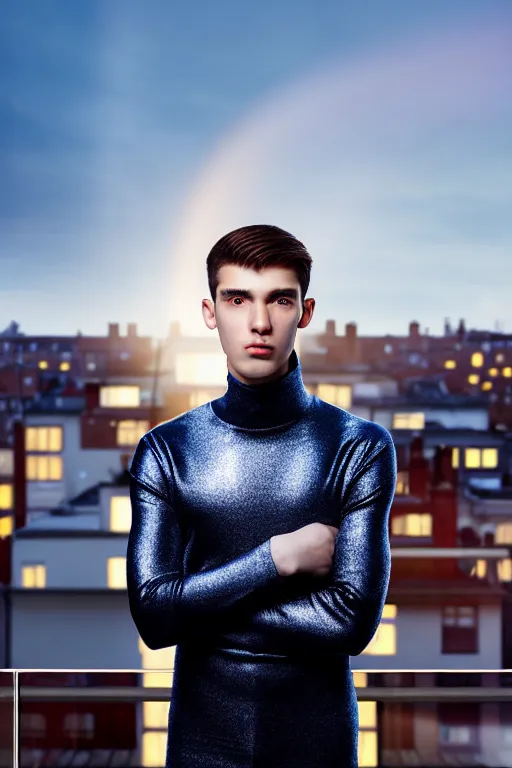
point(259, 543)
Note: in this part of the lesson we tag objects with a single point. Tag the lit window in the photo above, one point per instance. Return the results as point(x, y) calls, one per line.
point(6, 526)
point(383, 643)
point(473, 378)
point(367, 736)
point(156, 713)
point(360, 678)
point(455, 458)
point(43, 364)
point(493, 371)
point(6, 496)
point(477, 359)
point(130, 431)
point(125, 396)
point(336, 394)
point(505, 569)
point(486, 386)
point(65, 366)
point(44, 439)
point(198, 368)
point(33, 576)
point(480, 569)
point(154, 745)
point(408, 421)
point(402, 482)
point(120, 514)
point(450, 364)
point(199, 397)
point(412, 524)
point(499, 357)
point(43, 468)
point(116, 572)
point(481, 458)
point(507, 372)
point(503, 534)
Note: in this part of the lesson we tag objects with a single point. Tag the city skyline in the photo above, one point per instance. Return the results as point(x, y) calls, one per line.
point(132, 139)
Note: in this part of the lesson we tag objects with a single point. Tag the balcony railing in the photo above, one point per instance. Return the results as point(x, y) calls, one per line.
point(116, 718)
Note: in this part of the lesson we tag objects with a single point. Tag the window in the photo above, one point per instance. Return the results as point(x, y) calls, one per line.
point(120, 514)
point(473, 378)
point(33, 576)
point(503, 533)
point(6, 462)
point(507, 372)
point(486, 386)
point(408, 421)
point(33, 725)
point(367, 737)
point(481, 458)
point(402, 482)
point(493, 371)
point(383, 642)
point(64, 366)
point(79, 725)
point(450, 364)
point(43, 468)
point(455, 458)
point(458, 724)
point(6, 526)
point(6, 496)
point(505, 569)
point(477, 359)
point(459, 629)
point(479, 569)
point(156, 713)
point(43, 439)
point(412, 524)
point(336, 394)
point(129, 431)
point(116, 572)
point(126, 396)
point(43, 364)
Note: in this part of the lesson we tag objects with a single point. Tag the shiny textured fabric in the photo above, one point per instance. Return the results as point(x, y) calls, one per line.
point(262, 674)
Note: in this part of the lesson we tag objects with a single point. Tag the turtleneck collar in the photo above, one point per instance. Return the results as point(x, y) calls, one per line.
point(261, 406)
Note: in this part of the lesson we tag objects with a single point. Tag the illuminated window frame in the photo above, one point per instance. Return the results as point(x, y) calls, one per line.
point(336, 394)
point(44, 439)
point(6, 496)
point(33, 575)
point(120, 396)
point(409, 420)
point(383, 643)
point(481, 458)
point(120, 517)
point(129, 431)
point(116, 572)
point(41, 468)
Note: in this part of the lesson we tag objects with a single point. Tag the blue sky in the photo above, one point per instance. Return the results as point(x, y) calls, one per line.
point(133, 135)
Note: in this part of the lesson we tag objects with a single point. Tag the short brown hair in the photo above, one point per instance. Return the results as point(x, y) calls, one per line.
point(259, 246)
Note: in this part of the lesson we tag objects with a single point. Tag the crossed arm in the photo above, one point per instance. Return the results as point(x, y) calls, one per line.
point(342, 617)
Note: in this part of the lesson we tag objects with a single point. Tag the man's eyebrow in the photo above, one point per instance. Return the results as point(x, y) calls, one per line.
point(277, 292)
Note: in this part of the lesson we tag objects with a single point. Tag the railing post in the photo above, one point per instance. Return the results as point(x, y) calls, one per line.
point(16, 720)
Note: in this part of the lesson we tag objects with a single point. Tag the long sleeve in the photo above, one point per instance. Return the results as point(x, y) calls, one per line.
point(343, 616)
point(166, 606)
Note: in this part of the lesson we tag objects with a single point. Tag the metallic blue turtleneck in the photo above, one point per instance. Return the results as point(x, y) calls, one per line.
point(209, 489)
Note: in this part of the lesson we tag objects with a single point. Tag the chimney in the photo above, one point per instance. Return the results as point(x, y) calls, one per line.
point(418, 469)
point(414, 332)
point(351, 339)
point(131, 330)
point(113, 330)
point(174, 330)
point(330, 328)
point(444, 499)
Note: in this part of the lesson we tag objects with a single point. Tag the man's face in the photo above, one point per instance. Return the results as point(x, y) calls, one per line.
point(257, 308)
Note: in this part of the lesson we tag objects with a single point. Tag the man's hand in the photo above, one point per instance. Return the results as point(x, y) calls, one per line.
point(307, 550)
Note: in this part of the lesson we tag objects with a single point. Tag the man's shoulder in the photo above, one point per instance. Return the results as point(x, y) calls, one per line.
point(351, 425)
point(178, 426)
